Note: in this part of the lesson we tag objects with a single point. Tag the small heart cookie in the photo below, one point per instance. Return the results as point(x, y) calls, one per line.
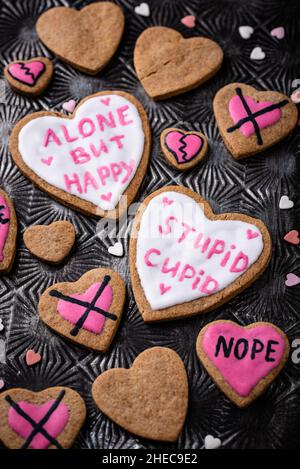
point(52, 243)
point(243, 361)
point(87, 312)
point(185, 260)
point(251, 121)
point(168, 65)
point(50, 419)
point(86, 39)
point(8, 233)
point(150, 399)
point(182, 149)
point(29, 77)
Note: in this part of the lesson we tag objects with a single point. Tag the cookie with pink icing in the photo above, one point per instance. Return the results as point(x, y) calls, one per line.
point(243, 361)
point(87, 312)
point(29, 77)
point(185, 260)
point(251, 121)
point(8, 232)
point(50, 419)
point(182, 149)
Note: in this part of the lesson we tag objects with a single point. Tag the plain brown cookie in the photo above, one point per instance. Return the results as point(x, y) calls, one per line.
point(105, 284)
point(167, 64)
point(86, 39)
point(181, 147)
point(52, 243)
point(29, 77)
point(67, 198)
point(238, 144)
point(14, 422)
point(150, 399)
point(205, 303)
point(8, 233)
point(256, 348)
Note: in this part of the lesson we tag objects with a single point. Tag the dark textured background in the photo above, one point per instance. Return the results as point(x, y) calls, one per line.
point(253, 187)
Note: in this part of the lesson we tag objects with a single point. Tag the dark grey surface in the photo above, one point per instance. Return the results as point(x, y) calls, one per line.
point(253, 187)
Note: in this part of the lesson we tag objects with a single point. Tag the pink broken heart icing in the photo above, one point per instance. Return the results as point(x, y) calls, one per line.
point(243, 356)
point(73, 312)
point(4, 225)
point(185, 147)
point(27, 73)
point(54, 425)
point(237, 112)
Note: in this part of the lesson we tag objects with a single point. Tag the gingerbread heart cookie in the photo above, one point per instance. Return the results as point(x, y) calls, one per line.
point(150, 399)
point(242, 361)
point(167, 64)
point(8, 232)
point(186, 260)
point(86, 39)
point(50, 419)
point(92, 160)
point(183, 150)
point(29, 77)
point(251, 121)
point(87, 312)
point(52, 243)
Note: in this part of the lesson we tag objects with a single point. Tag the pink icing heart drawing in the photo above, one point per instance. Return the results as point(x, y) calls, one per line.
point(184, 147)
point(27, 73)
point(243, 356)
point(4, 226)
point(54, 425)
point(72, 311)
point(252, 234)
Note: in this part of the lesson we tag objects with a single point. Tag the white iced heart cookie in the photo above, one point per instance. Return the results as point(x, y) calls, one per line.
point(185, 260)
point(91, 159)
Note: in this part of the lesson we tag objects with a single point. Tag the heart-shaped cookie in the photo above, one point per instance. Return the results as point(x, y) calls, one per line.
point(30, 77)
point(150, 399)
point(86, 39)
point(243, 361)
point(251, 121)
point(182, 149)
point(8, 232)
point(52, 243)
point(168, 65)
point(91, 159)
point(185, 260)
point(88, 311)
point(50, 419)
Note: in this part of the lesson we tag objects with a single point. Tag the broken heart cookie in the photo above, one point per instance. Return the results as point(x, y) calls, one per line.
point(29, 77)
point(8, 232)
point(52, 243)
point(167, 64)
point(251, 121)
point(186, 260)
point(150, 399)
point(183, 150)
point(242, 361)
point(50, 419)
point(86, 39)
point(87, 312)
point(91, 159)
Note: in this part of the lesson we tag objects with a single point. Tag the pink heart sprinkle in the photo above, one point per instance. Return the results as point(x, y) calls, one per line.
point(163, 288)
point(295, 97)
point(292, 237)
point(2, 384)
point(279, 32)
point(166, 201)
point(292, 280)
point(189, 21)
point(106, 197)
point(32, 357)
point(47, 161)
point(252, 234)
point(69, 106)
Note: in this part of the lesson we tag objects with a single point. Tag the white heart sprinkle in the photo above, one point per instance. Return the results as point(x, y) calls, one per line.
point(212, 443)
point(285, 203)
point(143, 9)
point(116, 249)
point(257, 54)
point(2, 384)
point(1, 325)
point(246, 31)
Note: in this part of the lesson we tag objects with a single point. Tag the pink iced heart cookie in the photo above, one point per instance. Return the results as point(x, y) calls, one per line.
point(182, 149)
point(29, 77)
point(186, 260)
point(88, 311)
point(243, 361)
point(50, 419)
point(27, 73)
point(251, 121)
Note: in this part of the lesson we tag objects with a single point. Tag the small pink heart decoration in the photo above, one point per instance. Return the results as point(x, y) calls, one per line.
point(32, 357)
point(279, 32)
point(2, 384)
point(292, 237)
point(292, 280)
point(69, 106)
point(189, 21)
